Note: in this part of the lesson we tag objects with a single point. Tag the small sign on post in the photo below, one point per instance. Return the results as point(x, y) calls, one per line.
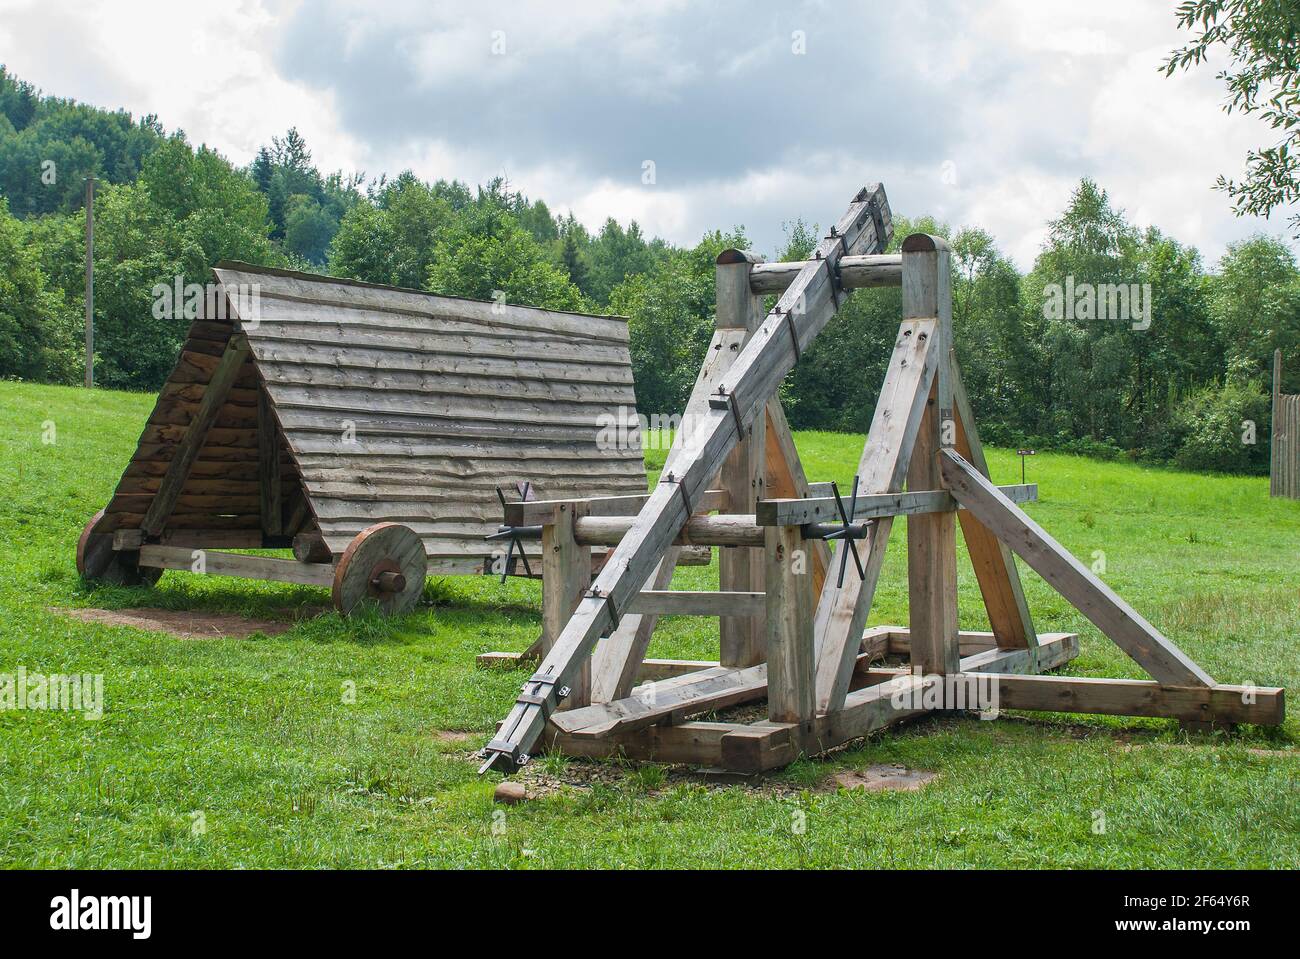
point(1022, 454)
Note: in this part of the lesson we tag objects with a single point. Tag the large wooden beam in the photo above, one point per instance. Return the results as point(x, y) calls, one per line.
point(800, 314)
point(992, 560)
point(932, 537)
point(822, 509)
point(187, 451)
point(1220, 705)
point(212, 563)
point(842, 611)
point(1115, 618)
point(856, 272)
point(617, 658)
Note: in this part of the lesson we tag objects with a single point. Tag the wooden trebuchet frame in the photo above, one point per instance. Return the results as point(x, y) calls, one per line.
point(317, 414)
point(790, 631)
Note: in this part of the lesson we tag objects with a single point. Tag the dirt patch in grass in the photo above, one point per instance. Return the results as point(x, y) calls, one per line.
point(884, 779)
point(182, 623)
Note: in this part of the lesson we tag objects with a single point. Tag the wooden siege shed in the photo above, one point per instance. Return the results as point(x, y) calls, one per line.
point(351, 421)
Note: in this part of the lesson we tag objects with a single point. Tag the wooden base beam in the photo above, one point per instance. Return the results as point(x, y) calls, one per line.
point(213, 563)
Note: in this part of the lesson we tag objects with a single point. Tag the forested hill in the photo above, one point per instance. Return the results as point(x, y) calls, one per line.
point(1180, 375)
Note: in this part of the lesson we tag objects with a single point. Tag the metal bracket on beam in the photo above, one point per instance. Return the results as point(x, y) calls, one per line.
point(722, 400)
point(595, 593)
point(794, 333)
point(681, 485)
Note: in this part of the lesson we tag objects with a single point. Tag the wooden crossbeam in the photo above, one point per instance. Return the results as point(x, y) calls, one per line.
point(187, 450)
point(542, 511)
point(214, 563)
point(800, 314)
point(1115, 618)
point(822, 509)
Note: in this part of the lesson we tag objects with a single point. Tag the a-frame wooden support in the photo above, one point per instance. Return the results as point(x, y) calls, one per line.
point(791, 631)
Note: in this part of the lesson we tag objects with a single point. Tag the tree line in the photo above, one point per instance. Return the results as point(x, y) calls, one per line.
point(1118, 342)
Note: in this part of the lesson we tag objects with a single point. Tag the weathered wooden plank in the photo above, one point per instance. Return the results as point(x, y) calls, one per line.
point(421, 384)
point(313, 290)
point(223, 378)
point(413, 341)
point(1097, 601)
point(308, 359)
point(1222, 705)
point(213, 563)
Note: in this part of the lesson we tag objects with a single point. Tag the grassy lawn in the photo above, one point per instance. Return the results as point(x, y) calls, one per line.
point(254, 740)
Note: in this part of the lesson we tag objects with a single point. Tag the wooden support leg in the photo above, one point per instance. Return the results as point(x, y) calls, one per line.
point(1118, 620)
point(992, 559)
point(566, 574)
point(791, 669)
point(931, 564)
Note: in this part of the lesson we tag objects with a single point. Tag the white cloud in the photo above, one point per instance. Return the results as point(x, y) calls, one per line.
point(1018, 100)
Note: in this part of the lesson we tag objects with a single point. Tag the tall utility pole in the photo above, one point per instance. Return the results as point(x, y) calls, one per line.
point(90, 281)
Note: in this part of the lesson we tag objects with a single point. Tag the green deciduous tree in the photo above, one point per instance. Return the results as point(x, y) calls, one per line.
point(1262, 41)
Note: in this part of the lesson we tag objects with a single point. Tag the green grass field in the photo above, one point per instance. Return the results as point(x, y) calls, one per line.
point(245, 753)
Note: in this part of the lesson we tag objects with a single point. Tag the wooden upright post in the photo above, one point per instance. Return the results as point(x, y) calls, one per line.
point(932, 537)
point(740, 569)
point(90, 282)
point(1275, 463)
point(791, 666)
point(566, 574)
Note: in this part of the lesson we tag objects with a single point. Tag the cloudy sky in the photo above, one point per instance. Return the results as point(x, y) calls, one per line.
point(752, 113)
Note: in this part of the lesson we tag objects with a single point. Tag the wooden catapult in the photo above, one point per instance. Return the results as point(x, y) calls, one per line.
point(790, 629)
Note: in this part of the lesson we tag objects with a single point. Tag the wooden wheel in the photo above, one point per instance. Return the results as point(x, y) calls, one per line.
point(386, 563)
point(98, 561)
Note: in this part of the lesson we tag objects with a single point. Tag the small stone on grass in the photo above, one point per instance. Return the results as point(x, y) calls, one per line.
point(510, 793)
